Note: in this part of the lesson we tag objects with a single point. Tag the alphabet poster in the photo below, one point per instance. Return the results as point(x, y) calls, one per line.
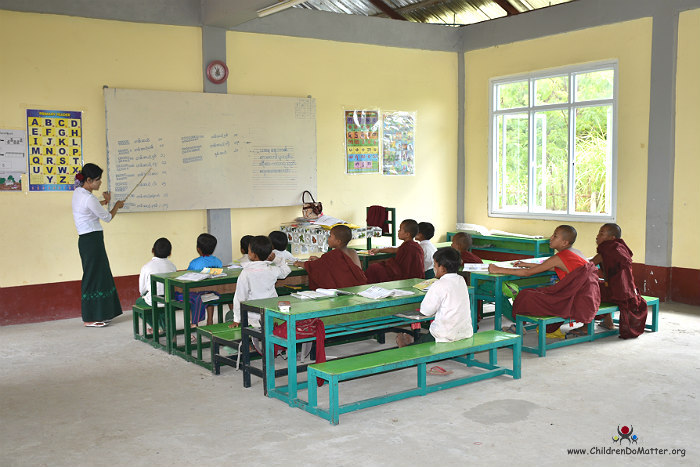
point(55, 145)
point(362, 141)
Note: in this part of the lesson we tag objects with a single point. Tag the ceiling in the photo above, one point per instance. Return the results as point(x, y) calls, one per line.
point(447, 12)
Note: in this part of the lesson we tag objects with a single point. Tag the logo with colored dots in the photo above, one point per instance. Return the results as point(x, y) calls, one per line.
point(626, 433)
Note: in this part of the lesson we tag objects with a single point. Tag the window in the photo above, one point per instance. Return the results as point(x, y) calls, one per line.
point(552, 144)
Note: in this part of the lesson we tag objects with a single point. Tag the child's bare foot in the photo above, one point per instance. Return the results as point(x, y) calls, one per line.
point(403, 339)
point(607, 322)
point(234, 324)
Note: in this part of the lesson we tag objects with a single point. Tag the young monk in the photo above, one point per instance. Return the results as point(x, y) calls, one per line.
point(576, 296)
point(615, 259)
point(407, 263)
point(462, 242)
point(338, 268)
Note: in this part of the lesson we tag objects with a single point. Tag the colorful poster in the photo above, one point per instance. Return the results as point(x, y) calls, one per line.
point(13, 159)
point(55, 144)
point(398, 143)
point(362, 141)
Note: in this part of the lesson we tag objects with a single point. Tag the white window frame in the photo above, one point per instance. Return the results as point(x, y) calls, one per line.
point(530, 213)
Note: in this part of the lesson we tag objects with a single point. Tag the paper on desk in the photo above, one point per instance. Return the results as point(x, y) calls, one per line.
point(234, 266)
point(475, 267)
point(376, 292)
point(193, 276)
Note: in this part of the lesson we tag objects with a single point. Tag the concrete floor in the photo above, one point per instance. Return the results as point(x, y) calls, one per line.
point(73, 396)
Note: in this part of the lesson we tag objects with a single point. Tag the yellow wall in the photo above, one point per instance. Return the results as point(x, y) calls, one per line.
point(630, 44)
point(353, 76)
point(62, 63)
point(686, 196)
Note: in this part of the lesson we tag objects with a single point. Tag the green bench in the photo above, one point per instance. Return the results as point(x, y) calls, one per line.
point(140, 316)
point(540, 323)
point(335, 371)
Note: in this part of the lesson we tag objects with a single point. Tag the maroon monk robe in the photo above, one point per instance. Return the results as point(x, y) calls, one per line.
point(469, 257)
point(576, 297)
point(334, 270)
point(619, 287)
point(407, 264)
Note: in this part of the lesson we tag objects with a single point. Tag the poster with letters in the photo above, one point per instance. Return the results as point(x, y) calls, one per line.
point(362, 141)
point(54, 144)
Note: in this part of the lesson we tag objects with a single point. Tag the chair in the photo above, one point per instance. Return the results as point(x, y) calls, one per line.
point(388, 226)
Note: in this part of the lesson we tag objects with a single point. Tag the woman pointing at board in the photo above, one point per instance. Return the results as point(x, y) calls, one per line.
point(99, 299)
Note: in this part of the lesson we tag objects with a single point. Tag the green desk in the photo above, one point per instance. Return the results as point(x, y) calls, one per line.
point(533, 247)
point(307, 309)
point(226, 284)
point(489, 287)
point(366, 258)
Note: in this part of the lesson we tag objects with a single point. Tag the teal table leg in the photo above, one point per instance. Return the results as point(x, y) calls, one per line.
point(312, 387)
point(422, 377)
point(269, 350)
point(542, 338)
point(186, 317)
point(498, 298)
point(292, 359)
point(517, 356)
point(333, 408)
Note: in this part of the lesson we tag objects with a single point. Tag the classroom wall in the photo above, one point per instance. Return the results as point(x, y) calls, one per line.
point(686, 222)
point(64, 62)
point(628, 42)
point(355, 76)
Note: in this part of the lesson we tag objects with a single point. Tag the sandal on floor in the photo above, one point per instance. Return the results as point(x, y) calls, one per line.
point(512, 329)
point(95, 324)
point(578, 332)
point(439, 371)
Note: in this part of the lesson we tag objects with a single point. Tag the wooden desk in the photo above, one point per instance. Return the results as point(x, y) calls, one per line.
point(307, 309)
point(525, 247)
point(226, 285)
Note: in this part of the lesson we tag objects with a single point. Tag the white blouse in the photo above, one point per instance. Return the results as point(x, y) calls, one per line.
point(87, 212)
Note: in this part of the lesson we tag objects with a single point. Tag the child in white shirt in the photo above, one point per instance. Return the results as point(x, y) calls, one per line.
point(448, 300)
point(258, 277)
point(159, 264)
point(279, 243)
point(245, 242)
point(426, 231)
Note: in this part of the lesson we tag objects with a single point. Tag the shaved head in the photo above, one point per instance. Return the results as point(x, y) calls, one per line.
point(567, 233)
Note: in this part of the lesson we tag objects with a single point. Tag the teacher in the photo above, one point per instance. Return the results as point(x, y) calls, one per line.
point(99, 298)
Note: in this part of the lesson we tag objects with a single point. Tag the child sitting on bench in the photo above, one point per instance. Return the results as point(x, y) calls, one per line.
point(258, 277)
point(408, 262)
point(462, 242)
point(337, 268)
point(576, 296)
point(245, 242)
point(426, 231)
point(448, 300)
point(159, 264)
point(615, 259)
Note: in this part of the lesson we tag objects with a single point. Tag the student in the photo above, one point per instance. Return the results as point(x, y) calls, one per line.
point(448, 300)
point(338, 268)
point(159, 264)
point(245, 241)
point(206, 244)
point(279, 242)
point(258, 277)
point(615, 260)
point(576, 296)
point(426, 231)
point(462, 242)
point(407, 263)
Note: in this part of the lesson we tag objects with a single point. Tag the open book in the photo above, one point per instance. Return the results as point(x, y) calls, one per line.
point(425, 285)
point(375, 292)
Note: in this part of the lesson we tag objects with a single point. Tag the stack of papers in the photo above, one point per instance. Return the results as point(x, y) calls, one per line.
point(318, 293)
point(376, 292)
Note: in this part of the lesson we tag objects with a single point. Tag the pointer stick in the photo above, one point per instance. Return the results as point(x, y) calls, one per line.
point(144, 176)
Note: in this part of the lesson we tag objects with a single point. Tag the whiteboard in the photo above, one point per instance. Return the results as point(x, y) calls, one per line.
point(208, 151)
